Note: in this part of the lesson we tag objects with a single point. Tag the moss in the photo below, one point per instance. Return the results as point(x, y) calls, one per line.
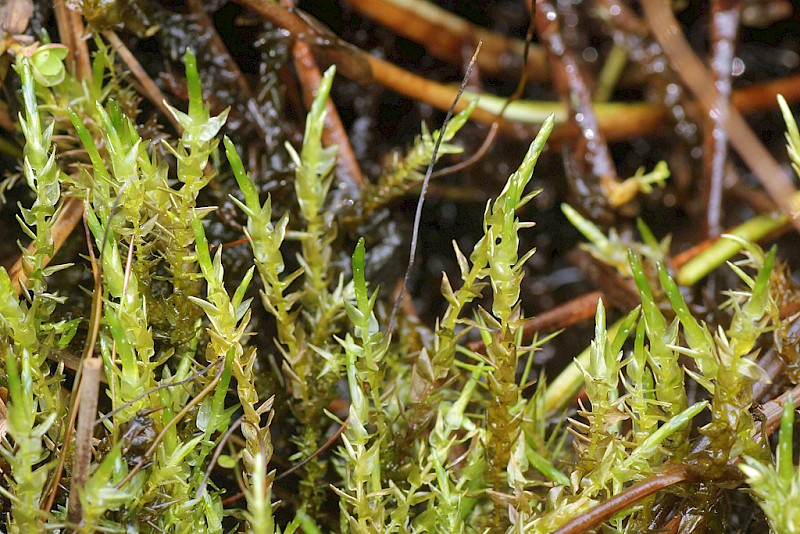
point(436, 436)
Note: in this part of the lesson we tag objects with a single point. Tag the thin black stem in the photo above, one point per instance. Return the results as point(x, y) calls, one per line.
point(424, 190)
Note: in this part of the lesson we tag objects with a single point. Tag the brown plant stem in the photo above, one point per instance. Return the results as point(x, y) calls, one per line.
point(366, 69)
point(673, 474)
point(764, 95)
point(71, 29)
point(725, 16)
point(445, 36)
point(773, 409)
point(771, 412)
point(588, 145)
point(637, 120)
point(568, 314)
point(772, 365)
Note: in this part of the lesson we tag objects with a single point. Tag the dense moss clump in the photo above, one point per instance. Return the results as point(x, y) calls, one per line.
point(204, 370)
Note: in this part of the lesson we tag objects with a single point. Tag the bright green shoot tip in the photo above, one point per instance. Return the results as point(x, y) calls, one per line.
point(193, 84)
point(246, 185)
point(359, 279)
point(783, 458)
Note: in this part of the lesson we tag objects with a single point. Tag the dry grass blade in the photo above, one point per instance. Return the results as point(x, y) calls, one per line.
point(71, 29)
point(82, 456)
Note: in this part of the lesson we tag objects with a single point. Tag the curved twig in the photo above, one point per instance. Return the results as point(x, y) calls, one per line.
point(445, 35)
point(673, 474)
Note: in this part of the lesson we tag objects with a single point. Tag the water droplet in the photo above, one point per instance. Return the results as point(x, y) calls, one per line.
point(673, 89)
point(589, 54)
point(738, 67)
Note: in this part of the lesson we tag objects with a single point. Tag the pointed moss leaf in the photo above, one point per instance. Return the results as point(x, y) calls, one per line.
point(240, 291)
point(512, 192)
point(88, 143)
point(652, 315)
point(447, 291)
point(624, 330)
point(541, 464)
point(757, 304)
point(649, 446)
point(359, 280)
point(463, 265)
point(783, 457)
point(792, 134)
point(585, 227)
point(697, 336)
point(647, 235)
point(193, 83)
point(245, 182)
